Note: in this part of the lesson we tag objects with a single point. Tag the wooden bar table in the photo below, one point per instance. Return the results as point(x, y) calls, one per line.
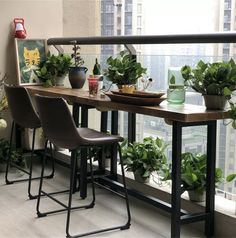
point(181, 116)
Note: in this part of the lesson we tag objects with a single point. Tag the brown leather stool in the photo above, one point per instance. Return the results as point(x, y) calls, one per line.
point(59, 128)
point(24, 115)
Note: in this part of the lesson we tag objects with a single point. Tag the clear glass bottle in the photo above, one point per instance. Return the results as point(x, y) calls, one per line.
point(176, 94)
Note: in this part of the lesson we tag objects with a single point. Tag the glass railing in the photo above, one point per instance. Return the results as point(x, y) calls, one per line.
point(194, 138)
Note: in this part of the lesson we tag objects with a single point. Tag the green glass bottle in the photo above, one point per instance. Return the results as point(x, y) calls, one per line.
point(96, 68)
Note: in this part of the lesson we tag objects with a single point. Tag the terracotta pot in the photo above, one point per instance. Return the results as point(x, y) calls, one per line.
point(139, 178)
point(77, 76)
point(215, 102)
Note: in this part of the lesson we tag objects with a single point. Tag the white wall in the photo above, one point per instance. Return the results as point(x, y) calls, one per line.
point(43, 19)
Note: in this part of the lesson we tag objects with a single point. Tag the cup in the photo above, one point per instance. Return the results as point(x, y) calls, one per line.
point(93, 86)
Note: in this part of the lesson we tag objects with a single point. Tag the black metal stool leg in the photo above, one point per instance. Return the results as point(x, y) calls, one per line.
point(92, 180)
point(31, 167)
point(125, 190)
point(72, 180)
point(41, 181)
point(9, 155)
point(52, 161)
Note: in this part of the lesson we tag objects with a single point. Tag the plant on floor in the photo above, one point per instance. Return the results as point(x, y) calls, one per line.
point(54, 67)
point(16, 154)
point(193, 173)
point(3, 102)
point(218, 79)
point(123, 70)
point(143, 158)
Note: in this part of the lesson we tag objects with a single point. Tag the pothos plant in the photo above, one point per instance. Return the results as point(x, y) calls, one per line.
point(218, 78)
point(124, 69)
point(193, 173)
point(144, 157)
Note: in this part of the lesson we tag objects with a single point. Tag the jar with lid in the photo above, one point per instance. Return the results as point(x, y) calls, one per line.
point(176, 94)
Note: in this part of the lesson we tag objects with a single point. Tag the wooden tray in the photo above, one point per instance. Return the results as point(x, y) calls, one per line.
point(141, 101)
point(140, 94)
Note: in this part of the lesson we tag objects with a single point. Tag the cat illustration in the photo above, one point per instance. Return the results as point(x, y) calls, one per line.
point(32, 57)
point(31, 60)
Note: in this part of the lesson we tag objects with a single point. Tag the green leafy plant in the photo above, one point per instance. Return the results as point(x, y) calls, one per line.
point(124, 69)
point(193, 173)
point(54, 66)
point(145, 157)
point(217, 78)
point(16, 154)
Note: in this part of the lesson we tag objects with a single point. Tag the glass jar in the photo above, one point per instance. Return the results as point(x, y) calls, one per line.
point(176, 94)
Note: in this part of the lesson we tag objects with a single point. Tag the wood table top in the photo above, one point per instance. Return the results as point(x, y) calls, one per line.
point(174, 112)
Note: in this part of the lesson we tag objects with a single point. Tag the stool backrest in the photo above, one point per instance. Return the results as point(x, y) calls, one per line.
point(57, 122)
point(21, 107)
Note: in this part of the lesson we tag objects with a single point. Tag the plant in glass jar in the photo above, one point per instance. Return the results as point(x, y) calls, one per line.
point(124, 71)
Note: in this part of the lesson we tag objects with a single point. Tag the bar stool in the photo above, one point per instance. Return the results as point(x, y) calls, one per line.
point(59, 128)
point(24, 115)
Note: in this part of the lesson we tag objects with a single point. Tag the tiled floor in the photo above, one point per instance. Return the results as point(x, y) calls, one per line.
point(18, 214)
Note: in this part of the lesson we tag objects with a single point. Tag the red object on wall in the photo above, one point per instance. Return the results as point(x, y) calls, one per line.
point(20, 31)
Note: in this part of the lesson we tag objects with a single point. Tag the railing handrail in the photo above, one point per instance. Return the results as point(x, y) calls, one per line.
point(217, 37)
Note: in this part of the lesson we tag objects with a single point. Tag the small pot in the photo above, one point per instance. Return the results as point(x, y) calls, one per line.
point(217, 102)
point(60, 80)
point(139, 178)
point(128, 88)
point(197, 196)
point(77, 76)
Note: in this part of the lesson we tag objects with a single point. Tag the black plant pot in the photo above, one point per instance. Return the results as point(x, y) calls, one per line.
point(77, 76)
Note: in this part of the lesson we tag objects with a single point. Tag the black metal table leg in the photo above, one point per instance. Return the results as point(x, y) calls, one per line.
point(176, 179)
point(131, 127)
point(75, 113)
point(83, 160)
point(103, 128)
point(210, 178)
point(114, 131)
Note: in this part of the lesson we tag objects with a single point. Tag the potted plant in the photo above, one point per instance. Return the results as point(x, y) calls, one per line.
point(3, 103)
point(16, 155)
point(144, 158)
point(52, 72)
point(124, 71)
point(215, 81)
point(77, 73)
point(193, 175)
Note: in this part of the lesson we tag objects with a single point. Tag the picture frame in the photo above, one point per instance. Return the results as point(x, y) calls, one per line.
point(29, 54)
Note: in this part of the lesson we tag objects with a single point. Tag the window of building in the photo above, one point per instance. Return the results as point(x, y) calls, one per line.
point(139, 21)
point(139, 8)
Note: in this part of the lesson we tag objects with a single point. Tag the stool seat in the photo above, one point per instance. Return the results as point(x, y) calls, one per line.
point(90, 136)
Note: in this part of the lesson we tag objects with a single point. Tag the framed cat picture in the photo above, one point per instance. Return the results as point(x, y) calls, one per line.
point(29, 54)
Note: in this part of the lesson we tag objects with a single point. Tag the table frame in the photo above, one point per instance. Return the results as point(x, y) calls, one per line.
point(180, 120)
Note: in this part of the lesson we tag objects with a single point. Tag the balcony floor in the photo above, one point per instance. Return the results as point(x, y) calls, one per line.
point(18, 214)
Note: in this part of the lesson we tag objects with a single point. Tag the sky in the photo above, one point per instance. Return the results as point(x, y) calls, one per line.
point(179, 16)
